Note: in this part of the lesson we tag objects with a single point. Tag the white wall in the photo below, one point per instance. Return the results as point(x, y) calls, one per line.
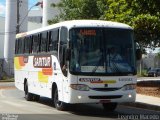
point(33, 26)
point(48, 11)
point(35, 19)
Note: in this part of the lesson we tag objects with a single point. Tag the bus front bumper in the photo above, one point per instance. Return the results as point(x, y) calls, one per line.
point(76, 96)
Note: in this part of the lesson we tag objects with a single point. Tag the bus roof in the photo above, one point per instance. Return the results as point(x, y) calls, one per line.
point(78, 23)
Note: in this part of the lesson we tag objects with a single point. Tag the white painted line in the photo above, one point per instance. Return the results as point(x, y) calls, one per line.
point(148, 80)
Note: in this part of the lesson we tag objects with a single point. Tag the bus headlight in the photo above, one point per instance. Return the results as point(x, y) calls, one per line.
point(129, 87)
point(80, 87)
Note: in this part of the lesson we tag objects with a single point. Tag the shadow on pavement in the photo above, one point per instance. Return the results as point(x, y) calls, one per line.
point(92, 110)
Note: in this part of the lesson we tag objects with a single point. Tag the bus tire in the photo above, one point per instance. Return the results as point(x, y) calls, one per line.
point(28, 96)
point(36, 97)
point(109, 107)
point(59, 105)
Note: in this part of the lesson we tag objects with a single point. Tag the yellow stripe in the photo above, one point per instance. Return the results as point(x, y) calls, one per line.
point(109, 81)
point(42, 78)
point(105, 82)
point(17, 64)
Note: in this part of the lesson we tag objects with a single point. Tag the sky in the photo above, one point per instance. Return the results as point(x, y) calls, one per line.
point(2, 6)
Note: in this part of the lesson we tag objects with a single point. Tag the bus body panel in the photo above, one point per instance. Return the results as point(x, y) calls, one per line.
point(39, 80)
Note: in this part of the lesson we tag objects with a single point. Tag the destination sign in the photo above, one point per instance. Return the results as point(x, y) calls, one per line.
point(88, 32)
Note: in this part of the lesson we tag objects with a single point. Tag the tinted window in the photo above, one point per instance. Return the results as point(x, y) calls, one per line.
point(31, 44)
point(16, 47)
point(53, 40)
point(63, 36)
point(36, 43)
point(44, 42)
point(103, 51)
point(20, 46)
point(26, 44)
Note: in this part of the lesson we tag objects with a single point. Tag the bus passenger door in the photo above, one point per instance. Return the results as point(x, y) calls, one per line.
point(62, 57)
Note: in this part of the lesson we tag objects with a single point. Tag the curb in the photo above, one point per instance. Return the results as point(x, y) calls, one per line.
point(142, 105)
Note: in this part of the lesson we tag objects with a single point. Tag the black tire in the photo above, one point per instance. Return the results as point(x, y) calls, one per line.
point(36, 97)
point(28, 96)
point(109, 107)
point(59, 105)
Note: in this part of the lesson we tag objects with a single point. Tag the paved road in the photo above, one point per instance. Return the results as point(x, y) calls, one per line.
point(13, 103)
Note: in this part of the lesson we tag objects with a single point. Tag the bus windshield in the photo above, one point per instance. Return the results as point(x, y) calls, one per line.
point(100, 51)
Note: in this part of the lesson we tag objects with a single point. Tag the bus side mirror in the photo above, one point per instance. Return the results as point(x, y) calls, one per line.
point(68, 54)
point(138, 54)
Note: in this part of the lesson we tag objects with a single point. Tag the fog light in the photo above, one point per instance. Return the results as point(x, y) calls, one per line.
point(79, 97)
point(129, 95)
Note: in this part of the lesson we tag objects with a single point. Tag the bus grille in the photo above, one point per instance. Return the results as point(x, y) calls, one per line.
point(105, 89)
point(105, 97)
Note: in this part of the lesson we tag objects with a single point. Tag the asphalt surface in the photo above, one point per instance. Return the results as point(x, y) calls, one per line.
point(14, 106)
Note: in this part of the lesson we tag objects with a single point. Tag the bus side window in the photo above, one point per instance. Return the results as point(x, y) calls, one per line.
point(44, 42)
point(16, 46)
point(20, 46)
point(26, 45)
point(36, 43)
point(53, 40)
point(31, 44)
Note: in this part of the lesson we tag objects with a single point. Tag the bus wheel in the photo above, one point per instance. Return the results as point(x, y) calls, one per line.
point(109, 107)
point(28, 96)
point(59, 105)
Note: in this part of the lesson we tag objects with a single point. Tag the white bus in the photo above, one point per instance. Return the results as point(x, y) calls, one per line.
point(71, 62)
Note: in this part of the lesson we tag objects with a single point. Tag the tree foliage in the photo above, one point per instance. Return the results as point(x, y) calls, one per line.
point(78, 9)
point(142, 15)
point(147, 30)
point(118, 10)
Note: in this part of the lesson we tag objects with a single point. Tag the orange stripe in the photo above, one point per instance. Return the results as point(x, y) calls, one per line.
point(47, 71)
point(21, 61)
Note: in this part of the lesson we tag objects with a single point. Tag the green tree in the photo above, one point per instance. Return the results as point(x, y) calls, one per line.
point(142, 15)
point(119, 11)
point(78, 9)
point(145, 6)
point(147, 30)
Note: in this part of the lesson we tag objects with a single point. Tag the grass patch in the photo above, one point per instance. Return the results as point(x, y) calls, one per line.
point(142, 74)
point(7, 80)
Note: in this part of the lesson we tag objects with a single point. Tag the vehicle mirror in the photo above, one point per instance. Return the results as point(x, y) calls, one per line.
point(138, 54)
